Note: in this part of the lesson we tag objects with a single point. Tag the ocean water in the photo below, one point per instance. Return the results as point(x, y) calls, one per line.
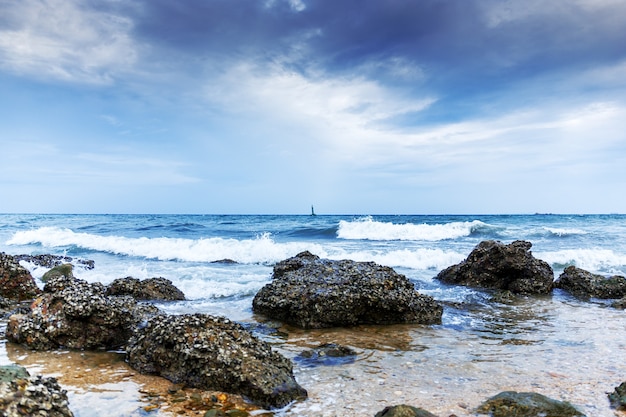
point(556, 345)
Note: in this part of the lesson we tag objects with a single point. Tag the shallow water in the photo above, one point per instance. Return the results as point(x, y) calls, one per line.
point(557, 346)
point(554, 345)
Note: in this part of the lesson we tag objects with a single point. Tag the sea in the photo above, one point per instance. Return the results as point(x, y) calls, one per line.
point(568, 349)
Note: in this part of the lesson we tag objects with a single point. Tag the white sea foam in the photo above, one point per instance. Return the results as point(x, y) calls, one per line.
point(594, 260)
point(561, 232)
point(263, 249)
point(420, 258)
point(367, 228)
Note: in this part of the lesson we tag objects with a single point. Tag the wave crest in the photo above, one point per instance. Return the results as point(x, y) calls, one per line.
point(263, 249)
point(367, 228)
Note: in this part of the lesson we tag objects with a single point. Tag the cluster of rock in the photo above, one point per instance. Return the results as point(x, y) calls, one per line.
point(23, 395)
point(50, 261)
point(512, 267)
point(311, 292)
point(198, 350)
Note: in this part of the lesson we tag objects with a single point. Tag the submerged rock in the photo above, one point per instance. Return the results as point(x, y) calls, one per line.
point(512, 267)
point(526, 404)
point(327, 354)
point(207, 352)
point(148, 289)
point(404, 411)
point(23, 395)
point(75, 314)
point(310, 292)
point(16, 283)
point(585, 284)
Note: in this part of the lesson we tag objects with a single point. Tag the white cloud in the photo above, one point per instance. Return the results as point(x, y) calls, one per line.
point(61, 40)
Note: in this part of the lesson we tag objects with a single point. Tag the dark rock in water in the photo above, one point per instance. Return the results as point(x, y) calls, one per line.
point(404, 411)
point(584, 284)
point(310, 292)
point(50, 261)
point(148, 289)
point(620, 304)
point(511, 267)
point(327, 354)
point(526, 404)
point(23, 395)
point(618, 397)
point(213, 353)
point(16, 283)
point(75, 314)
point(63, 270)
point(224, 261)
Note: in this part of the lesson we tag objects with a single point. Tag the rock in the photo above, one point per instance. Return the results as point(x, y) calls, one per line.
point(620, 304)
point(526, 404)
point(310, 292)
point(327, 354)
point(618, 397)
point(213, 353)
point(23, 395)
point(404, 411)
point(148, 289)
point(50, 261)
point(16, 283)
point(63, 270)
point(584, 284)
point(511, 267)
point(75, 314)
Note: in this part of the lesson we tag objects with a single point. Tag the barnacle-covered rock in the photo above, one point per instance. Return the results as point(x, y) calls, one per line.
point(73, 313)
point(147, 289)
point(311, 292)
point(16, 283)
point(203, 351)
point(493, 264)
point(22, 395)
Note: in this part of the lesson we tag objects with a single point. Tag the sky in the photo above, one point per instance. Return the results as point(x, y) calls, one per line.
point(353, 106)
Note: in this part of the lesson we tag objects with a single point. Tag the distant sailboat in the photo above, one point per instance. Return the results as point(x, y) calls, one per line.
point(313, 212)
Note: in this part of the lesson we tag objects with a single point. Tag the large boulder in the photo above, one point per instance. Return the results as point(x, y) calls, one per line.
point(75, 314)
point(585, 284)
point(23, 395)
point(16, 283)
point(526, 404)
point(493, 264)
point(213, 353)
point(148, 289)
point(310, 292)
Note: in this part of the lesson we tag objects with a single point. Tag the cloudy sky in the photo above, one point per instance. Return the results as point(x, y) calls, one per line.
point(355, 106)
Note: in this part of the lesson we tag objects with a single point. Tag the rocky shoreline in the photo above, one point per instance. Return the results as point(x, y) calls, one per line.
point(214, 354)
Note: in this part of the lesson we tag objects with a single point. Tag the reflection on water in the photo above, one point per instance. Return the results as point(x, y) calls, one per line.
point(562, 348)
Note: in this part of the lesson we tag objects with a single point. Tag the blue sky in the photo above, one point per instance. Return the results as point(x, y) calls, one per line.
point(355, 106)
